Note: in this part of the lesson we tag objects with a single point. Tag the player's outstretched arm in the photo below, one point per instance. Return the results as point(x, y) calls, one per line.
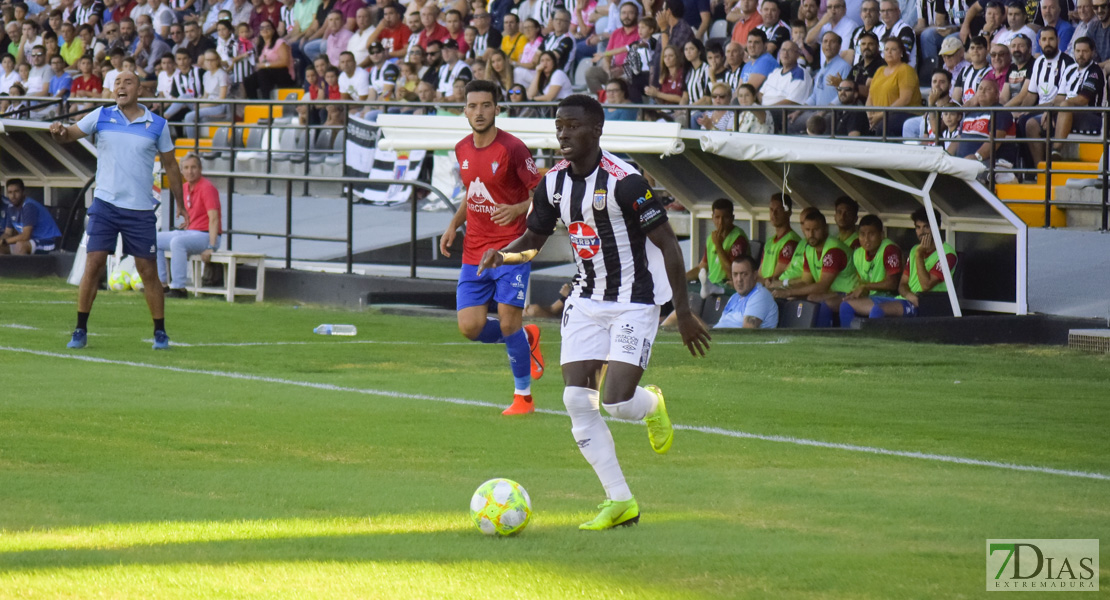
point(694, 335)
point(520, 250)
point(64, 134)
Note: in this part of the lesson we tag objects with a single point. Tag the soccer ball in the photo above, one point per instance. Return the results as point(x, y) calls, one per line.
point(500, 507)
point(136, 281)
point(119, 280)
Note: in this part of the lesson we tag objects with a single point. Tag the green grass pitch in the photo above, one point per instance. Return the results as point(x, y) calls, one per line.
point(300, 466)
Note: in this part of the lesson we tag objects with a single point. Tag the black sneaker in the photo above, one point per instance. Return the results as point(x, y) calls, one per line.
point(177, 293)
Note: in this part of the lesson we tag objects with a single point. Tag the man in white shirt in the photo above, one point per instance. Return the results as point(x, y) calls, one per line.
point(39, 79)
point(361, 39)
point(891, 25)
point(1086, 11)
point(836, 20)
point(162, 16)
point(354, 83)
point(789, 84)
point(452, 69)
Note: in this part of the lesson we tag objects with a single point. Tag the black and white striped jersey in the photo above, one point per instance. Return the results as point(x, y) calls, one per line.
point(608, 214)
point(1090, 83)
point(1051, 76)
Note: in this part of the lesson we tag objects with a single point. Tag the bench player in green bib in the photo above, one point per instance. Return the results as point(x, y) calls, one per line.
point(878, 263)
point(827, 270)
point(779, 251)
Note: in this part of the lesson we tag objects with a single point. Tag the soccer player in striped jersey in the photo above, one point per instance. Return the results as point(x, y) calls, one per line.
point(629, 264)
point(498, 173)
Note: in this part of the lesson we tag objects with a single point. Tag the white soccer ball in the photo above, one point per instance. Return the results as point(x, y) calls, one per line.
point(119, 280)
point(136, 281)
point(500, 507)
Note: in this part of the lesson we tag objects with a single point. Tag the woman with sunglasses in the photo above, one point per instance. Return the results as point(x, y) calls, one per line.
point(275, 64)
point(719, 119)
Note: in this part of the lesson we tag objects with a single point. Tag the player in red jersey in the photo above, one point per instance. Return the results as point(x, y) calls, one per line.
point(498, 173)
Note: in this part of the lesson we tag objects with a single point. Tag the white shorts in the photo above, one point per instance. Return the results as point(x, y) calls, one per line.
point(599, 330)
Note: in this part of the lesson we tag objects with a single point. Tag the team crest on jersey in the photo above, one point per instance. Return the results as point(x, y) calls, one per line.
point(599, 199)
point(494, 166)
point(465, 165)
point(584, 240)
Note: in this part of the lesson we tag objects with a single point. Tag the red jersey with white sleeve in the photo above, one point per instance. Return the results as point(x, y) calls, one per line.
point(501, 173)
point(201, 197)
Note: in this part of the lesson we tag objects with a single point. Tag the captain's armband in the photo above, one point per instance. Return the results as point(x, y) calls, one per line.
point(516, 258)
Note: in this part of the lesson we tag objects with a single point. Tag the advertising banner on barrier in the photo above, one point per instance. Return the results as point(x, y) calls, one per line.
point(365, 159)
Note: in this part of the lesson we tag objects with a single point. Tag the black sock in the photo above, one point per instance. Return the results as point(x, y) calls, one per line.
point(159, 324)
point(82, 320)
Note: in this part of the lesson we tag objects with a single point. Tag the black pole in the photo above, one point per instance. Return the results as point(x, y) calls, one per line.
point(350, 227)
point(412, 234)
point(1105, 175)
point(1048, 171)
point(288, 223)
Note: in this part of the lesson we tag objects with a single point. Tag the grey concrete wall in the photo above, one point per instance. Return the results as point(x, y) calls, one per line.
point(1069, 272)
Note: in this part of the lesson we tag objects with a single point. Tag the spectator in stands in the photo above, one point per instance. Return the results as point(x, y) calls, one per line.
point(429, 18)
point(383, 75)
point(994, 20)
point(512, 39)
point(354, 83)
point(533, 45)
point(734, 65)
point(672, 78)
point(487, 39)
point(827, 270)
point(892, 26)
point(1085, 18)
point(161, 16)
point(31, 38)
point(1099, 32)
point(188, 83)
point(878, 262)
point(176, 38)
point(850, 123)
point(833, 71)
point(560, 42)
point(202, 202)
point(778, 251)
point(215, 89)
point(59, 87)
point(333, 40)
point(922, 272)
point(275, 65)
point(452, 20)
point(760, 64)
point(675, 32)
point(452, 70)
point(616, 94)
point(303, 21)
point(1050, 13)
point(1016, 24)
point(499, 71)
point(785, 86)
point(895, 85)
point(752, 121)
point(263, 10)
point(391, 32)
point(745, 17)
point(835, 20)
point(164, 88)
point(86, 84)
point(1052, 74)
point(620, 41)
point(918, 127)
point(945, 18)
point(73, 46)
point(975, 128)
point(149, 52)
point(550, 83)
point(863, 71)
point(697, 73)
point(89, 43)
point(196, 42)
point(869, 23)
point(752, 306)
point(109, 38)
point(1087, 87)
point(720, 119)
point(947, 131)
point(808, 12)
point(1001, 65)
point(39, 74)
point(1021, 64)
point(433, 59)
point(28, 227)
point(777, 31)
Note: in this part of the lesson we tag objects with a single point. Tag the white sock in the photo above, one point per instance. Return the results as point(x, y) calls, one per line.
point(641, 404)
point(595, 441)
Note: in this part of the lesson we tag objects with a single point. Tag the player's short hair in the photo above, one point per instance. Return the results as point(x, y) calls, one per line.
point(920, 216)
point(723, 204)
point(746, 258)
point(815, 216)
point(871, 221)
point(784, 199)
point(16, 182)
point(848, 201)
point(484, 86)
point(591, 107)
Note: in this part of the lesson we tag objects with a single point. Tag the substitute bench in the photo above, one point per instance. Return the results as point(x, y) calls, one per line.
point(232, 260)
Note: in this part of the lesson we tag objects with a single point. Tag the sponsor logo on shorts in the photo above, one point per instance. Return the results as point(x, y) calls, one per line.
point(584, 240)
point(627, 340)
point(628, 329)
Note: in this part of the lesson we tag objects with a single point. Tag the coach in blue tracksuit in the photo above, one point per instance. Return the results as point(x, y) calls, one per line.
point(128, 137)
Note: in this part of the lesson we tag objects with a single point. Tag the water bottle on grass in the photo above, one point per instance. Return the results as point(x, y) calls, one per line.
point(329, 329)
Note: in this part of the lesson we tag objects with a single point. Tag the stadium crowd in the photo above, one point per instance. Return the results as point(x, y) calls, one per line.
point(692, 59)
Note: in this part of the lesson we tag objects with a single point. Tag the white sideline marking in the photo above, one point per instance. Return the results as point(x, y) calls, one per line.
point(18, 326)
point(465, 402)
